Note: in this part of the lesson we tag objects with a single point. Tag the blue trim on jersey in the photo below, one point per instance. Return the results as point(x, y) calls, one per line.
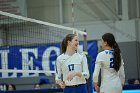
point(109, 51)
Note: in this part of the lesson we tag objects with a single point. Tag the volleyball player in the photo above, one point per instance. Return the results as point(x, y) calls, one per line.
point(72, 66)
point(111, 64)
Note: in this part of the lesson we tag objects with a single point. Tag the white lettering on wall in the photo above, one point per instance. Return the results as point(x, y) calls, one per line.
point(28, 56)
point(26, 60)
point(4, 61)
point(46, 56)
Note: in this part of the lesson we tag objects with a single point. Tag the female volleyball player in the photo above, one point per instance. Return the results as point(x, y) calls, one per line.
point(72, 66)
point(111, 64)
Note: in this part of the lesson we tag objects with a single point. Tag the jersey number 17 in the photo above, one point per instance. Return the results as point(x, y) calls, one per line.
point(71, 67)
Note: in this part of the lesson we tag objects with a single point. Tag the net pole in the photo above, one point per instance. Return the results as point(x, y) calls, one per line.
point(72, 15)
point(89, 60)
point(72, 10)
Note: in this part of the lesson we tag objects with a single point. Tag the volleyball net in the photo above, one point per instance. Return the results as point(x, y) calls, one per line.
point(29, 46)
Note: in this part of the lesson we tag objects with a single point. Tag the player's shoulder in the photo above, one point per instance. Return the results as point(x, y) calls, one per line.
point(82, 54)
point(61, 56)
point(102, 53)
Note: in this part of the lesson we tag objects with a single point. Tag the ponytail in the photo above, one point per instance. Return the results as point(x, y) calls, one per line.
point(110, 39)
point(63, 45)
point(117, 57)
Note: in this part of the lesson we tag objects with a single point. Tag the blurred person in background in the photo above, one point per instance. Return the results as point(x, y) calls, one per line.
point(37, 86)
point(133, 81)
point(11, 87)
point(137, 81)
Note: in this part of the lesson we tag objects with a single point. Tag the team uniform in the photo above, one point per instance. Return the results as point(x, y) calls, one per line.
point(77, 63)
point(111, 81)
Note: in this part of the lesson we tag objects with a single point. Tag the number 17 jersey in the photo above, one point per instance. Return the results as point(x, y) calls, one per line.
point(75, 63)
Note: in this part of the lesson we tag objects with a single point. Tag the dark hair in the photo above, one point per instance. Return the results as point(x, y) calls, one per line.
point(64, 43)
point(131, 81)
point(110, 39)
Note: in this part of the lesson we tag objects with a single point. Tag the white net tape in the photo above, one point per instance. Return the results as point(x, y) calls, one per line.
point(42, 22)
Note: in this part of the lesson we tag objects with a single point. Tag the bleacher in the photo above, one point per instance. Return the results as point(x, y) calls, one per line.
point(27, 83)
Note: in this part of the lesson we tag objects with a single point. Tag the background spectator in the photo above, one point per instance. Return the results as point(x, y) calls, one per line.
point(11, 87)
point(137, 81)
point(37, 86)
point(133, 81)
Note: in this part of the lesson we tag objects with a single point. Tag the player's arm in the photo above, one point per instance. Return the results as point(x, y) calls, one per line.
point(97, 88)
point(97, 68)
point(96, 73)
point(122, 73)
point(58, 73)
point(58, 77)
point(85, 72)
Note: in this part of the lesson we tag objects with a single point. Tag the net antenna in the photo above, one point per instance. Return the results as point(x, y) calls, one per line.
point(27, 33)
point(85, 43)
point(73, 25)
point(72, 11)
point(73, 17)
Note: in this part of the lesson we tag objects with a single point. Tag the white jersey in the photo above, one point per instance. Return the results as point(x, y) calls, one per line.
point(77, 63)
point(111, 81)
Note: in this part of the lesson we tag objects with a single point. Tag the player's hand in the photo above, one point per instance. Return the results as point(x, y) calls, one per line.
point(122, 85)
point(62, 85)
point(97, 88)
point(71, 75)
